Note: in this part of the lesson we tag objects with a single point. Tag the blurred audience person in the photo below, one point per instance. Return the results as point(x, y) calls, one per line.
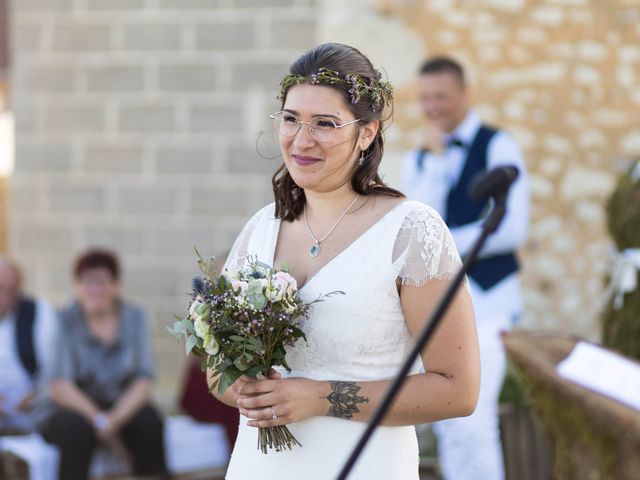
point(100, 384)
point(26, 330)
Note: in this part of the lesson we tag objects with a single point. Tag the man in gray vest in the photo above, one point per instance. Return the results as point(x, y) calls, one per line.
point(457, 146)
point(26, 337)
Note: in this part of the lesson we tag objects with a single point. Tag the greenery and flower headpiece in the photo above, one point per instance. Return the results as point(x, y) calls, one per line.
point(379, 93)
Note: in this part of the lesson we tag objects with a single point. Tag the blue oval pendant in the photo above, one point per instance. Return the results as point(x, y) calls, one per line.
point(314, 250)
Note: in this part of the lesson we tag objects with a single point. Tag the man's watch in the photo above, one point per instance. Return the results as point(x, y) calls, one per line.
point(100, 421)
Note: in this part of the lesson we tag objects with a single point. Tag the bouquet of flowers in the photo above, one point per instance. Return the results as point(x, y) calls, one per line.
point(239, 323)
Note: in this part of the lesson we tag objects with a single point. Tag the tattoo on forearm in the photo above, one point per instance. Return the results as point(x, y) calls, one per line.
point(344, 398)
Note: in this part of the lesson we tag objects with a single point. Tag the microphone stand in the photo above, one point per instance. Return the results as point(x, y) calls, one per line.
point(489, 226)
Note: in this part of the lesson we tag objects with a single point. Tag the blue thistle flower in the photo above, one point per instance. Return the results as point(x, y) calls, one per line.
point(199, 285)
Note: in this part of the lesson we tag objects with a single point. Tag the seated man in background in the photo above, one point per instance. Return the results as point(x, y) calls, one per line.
point(26, 331)
point(100, 383)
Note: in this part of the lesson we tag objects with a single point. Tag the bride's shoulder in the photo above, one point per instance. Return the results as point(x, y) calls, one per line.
point(419, 212)
point(265, 213)
point(268, 211)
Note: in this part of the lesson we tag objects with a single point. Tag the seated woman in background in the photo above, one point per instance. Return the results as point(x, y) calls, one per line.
point(100, 381)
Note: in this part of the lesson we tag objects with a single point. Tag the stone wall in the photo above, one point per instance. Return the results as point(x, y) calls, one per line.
point(563, 76)
point(136, 127)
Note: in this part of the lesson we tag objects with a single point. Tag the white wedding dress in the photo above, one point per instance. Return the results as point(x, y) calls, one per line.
point(359, 336)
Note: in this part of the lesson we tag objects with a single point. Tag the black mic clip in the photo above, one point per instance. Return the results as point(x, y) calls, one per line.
point(494, 184)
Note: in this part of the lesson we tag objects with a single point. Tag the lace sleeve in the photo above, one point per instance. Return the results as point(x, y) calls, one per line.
point(424, 249)
point(237, 255)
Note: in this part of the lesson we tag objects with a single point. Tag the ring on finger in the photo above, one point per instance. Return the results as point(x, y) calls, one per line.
point(273, 413)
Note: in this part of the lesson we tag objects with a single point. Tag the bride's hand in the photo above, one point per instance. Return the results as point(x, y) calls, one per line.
point(288, 400)
point(233, 392)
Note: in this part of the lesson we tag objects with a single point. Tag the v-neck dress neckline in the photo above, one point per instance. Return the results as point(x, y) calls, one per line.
point(344, 251)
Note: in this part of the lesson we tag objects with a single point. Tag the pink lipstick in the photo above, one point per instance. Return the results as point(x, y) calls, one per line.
point(305, 161)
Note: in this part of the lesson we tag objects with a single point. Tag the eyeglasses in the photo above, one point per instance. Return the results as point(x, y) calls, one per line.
point(323, 129)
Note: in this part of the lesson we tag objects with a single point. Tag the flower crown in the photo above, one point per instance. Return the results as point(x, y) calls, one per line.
point(379, 93)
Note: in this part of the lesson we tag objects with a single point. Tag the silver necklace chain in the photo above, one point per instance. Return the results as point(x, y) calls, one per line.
point(315, 249)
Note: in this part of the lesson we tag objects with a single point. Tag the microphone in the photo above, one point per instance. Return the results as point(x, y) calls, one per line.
point(493, 183)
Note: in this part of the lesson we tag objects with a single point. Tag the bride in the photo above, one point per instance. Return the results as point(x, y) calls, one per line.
point(339, 227)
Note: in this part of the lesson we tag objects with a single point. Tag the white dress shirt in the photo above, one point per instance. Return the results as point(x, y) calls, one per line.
point(15, 381)
point(440, 173)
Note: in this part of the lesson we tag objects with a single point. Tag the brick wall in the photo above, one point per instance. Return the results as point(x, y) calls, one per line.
point(136, 127)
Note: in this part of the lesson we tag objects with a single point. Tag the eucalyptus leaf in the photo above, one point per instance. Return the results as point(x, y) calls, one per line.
point(188, 325)
point(258, 301)
point(191, 342)
point(255, 287)
point(179, 327)
point(228, 377)
point(173, 332)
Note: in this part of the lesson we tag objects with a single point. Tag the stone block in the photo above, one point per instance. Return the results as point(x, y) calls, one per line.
point(233, 35)
point(146, 118)
point(59, 281)
point(113, 158)
point(114, 5)
point(43, 78)
point(76, 198)
point(298, 34)
point(40, 157)
point(193, 77)
point(151, 281)
point(550, 16)
point(25, 115)
point(246, 160)
point(215, 119)
point(115, 78)
point(152, 36)
point(219, 199)
point(72, 118)
point(181, 242)
point(24, 198)
point(190, 4)
point(147, 201)
point(258, 75)
point(81, 37)
point(177, 160)
point(262, 4)
point(42, 6)
point(27, 38)
point(579, 183)
point(41, 238)
point(124, 240)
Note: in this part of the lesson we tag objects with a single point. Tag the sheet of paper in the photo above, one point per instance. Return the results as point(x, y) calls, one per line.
point(602, 371)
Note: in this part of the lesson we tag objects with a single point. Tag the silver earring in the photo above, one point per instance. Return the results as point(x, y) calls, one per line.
point(361, 159)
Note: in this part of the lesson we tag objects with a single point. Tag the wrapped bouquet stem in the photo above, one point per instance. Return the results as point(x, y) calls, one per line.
point(239, 323)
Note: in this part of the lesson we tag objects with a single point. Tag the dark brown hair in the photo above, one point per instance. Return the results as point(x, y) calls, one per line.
point(443, 64)
point(365, 180)
point(97, 258)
